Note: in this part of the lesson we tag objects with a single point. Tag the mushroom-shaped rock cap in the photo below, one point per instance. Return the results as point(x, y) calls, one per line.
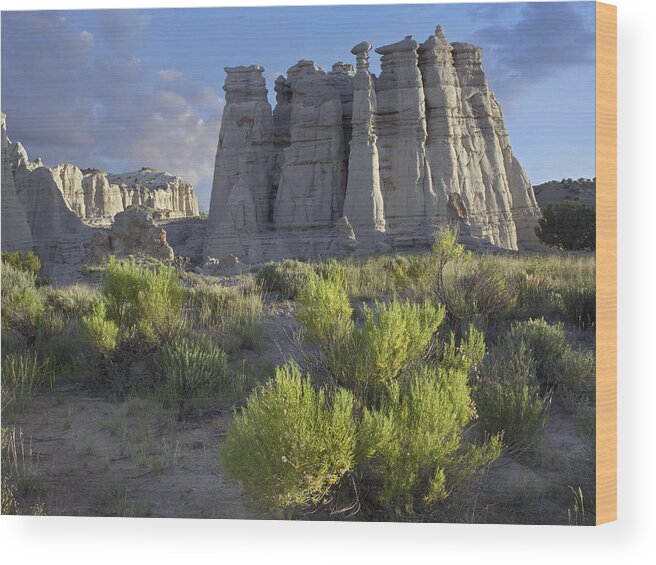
point(243, 69)
point(406, 44)
point(362, 47)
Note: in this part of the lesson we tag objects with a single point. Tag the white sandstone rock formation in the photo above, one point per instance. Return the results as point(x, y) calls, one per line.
point(313, 173)
point(133, 233)
point(393, 158)
point(16, 234)
point(363, 204)
point(401, 122)
point(242, 189)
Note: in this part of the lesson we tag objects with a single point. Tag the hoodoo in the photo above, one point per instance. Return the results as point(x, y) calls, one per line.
point(393, 157)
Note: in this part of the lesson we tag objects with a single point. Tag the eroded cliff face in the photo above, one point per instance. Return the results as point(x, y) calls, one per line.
point(16, 234)
point(349, 162)
point(96, 196)
point(61, 212)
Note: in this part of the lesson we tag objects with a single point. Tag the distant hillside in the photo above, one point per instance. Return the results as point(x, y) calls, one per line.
point(554, 192)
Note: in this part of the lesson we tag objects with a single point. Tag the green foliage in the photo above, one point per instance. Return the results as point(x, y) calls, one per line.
point(575, 379)
point(467, 354)
point(325, 311)
point(25, 261)
point(568, 226)
point(545, 341)
point(287, 277)
point(579, 301)
point(291, 444)
point(235, 313)
point(65, 354)
point(103, 333)
point(22, 309)
point(412, 444)
point(139, 304)
point(509, 401)
point(23, 375)
point(72, 301)
point(192, 369)
point(393, 337)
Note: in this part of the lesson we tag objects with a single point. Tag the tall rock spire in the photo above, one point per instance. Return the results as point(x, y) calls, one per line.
point(245, 157)
point(16, 235)
point(363, 204)
point(401, 122)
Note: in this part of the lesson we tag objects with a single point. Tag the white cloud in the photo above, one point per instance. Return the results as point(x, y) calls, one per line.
point(170, 74)
point(86, 36)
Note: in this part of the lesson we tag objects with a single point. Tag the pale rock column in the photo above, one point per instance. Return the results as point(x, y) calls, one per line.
point(484, 181)
point(313, 171)
point(16, 235)
point(363, 204)
point(245, 159)
point(401, 123)
point(443, 145)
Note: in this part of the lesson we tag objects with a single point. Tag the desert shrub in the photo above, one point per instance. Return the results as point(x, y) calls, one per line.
point(575, 378)
point(545, 341)
point(23, 375)
point(484, 294)
point(66, 355)
point(103, 332)
point(139, 303)
point(72, 301)
point(192, 369)
point(579, 302)
point(509, 401)
point(287, 277)
point(22, 308)
point(22, 261)
point(466, 355)
point(292, 443)
point(411, 446)
point(393, 337)
point(237, 314)
point(569, 225)
point(325, 311)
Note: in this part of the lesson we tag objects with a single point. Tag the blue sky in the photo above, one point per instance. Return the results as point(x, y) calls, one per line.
point(122, 89)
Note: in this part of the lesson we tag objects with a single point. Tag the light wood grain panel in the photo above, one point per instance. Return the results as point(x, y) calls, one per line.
point(606, 168)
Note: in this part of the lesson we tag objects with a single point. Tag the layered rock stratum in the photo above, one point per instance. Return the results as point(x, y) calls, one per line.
point(61, 212)
point(349, 162)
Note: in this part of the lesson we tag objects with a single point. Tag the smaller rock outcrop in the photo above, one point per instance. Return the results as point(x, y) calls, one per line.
point(133, 232)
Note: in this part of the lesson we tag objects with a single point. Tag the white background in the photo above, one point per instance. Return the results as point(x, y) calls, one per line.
point(630, 540)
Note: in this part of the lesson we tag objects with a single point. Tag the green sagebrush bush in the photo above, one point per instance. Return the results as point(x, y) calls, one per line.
point(545, 341)
point(72, 301)
point(473, 291)
point(508, 398)
point(23, 375)
point(22, 261)
point(138, 304)
point(23, 311)
point(238, 315)
point(392, 336)
point(287, 277)
point(295, 447)
point(192, 369)
point(569, 225)
point(291, 444)
point(579, 301)
point(575, 379)
point(103, 333)
point(411, 446)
